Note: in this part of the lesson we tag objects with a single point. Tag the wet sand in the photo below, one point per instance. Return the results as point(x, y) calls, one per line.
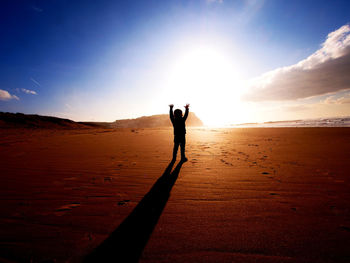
point(245, 195)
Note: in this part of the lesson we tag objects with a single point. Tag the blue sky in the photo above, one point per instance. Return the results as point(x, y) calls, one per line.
point(105, 60)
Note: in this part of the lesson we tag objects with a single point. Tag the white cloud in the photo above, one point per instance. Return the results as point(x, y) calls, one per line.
point(325, 71)
point(5, 95)
point(342, 100)
point(29, 91)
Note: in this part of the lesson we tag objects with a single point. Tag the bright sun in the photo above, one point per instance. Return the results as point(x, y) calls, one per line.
point(206, 78)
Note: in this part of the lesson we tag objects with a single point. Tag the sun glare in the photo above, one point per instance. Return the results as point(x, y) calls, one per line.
point(206, 78)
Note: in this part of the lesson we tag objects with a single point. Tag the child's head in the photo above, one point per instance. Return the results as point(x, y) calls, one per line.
point(178, 113)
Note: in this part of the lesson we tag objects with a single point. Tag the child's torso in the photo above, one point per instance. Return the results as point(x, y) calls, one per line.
point(179, 127)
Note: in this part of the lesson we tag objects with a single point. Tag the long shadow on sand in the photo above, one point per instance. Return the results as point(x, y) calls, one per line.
point(127, 242)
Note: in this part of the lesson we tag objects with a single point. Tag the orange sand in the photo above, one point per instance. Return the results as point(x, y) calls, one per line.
point(245, 195)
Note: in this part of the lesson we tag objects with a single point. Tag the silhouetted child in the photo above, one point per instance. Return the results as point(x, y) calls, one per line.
point(179, 130)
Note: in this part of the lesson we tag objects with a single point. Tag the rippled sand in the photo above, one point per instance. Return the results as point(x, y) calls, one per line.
point(245, 195)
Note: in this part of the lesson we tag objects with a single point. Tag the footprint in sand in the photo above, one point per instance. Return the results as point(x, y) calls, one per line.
point(227, 163)
point(70, 178)
point(119, 167)
point(124, 202)
point(346, 228)
point(107, 179)
point(65, 208)
point(89, 236)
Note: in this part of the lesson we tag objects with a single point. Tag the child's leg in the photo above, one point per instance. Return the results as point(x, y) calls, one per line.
point(176, 146)
point(183, 145)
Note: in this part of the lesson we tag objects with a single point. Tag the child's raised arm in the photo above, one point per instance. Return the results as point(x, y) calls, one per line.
point(171, 112)
point(186, 112)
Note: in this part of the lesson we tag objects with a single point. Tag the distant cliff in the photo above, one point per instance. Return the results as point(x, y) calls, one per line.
point(20, 120)
point(154, 121)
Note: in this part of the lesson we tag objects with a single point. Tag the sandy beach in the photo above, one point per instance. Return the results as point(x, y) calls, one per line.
point(245, 195)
